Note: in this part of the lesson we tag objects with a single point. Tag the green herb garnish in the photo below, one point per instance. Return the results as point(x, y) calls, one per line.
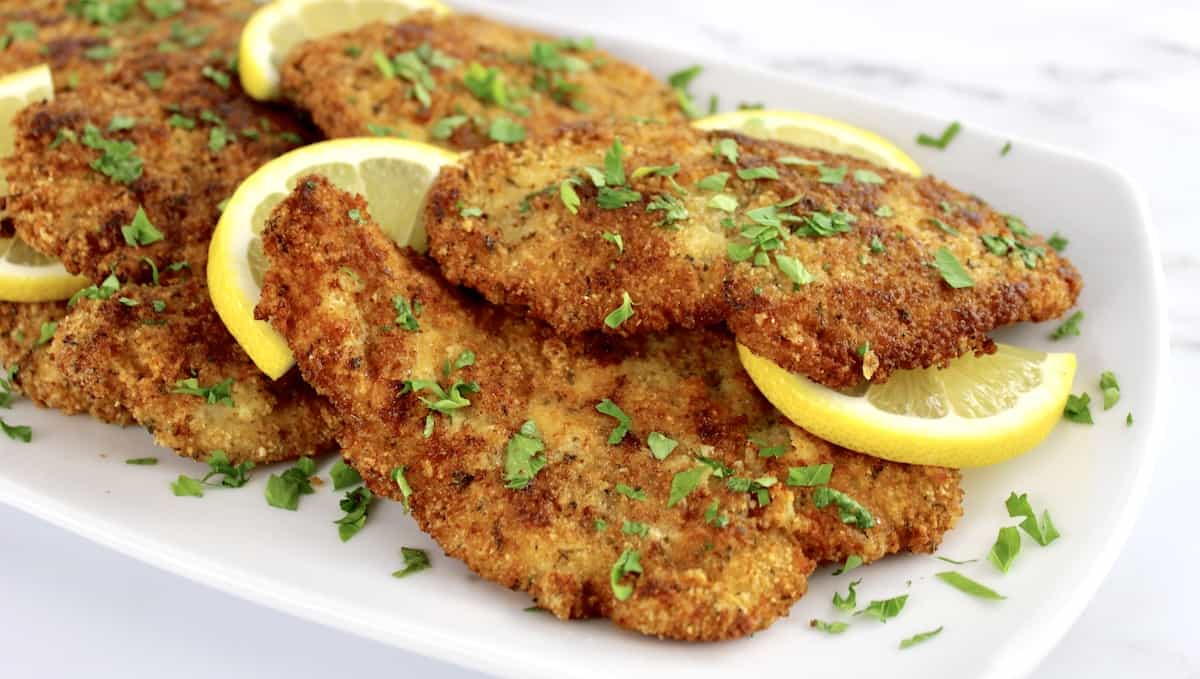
point(884, 609)
point(683, 483)
point(625, 564)
point(918, 638)
point(220, 393)
point(284, 490)
point(607, 407)
point(1077, 408)
point(942, 141)
point(1069, 327)
point(1004, 552)
point(524, 456)
point(355, 504)
point(1042, 532)
point(415, 560)
point(140, 231)
point(964, 584)
point(343, 475)
point(952, 271)
point(621, 314)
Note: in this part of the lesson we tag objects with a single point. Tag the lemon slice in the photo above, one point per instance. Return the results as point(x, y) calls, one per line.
point(806, 129)
point(976, 412)
point(27, 275)
point(278, 27)
point(392, 174)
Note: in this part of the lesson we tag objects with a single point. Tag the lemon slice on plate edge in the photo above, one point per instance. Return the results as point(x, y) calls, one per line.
point(392, 174)
point(25, 274)
point(975, 412)
point(276, 28)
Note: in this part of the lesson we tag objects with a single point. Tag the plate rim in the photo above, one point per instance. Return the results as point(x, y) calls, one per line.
point(469, 654)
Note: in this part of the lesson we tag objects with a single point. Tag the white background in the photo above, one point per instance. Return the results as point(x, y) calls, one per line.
point(1115, 80)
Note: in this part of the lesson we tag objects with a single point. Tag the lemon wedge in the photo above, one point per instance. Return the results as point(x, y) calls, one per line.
point(978, 411)
point(27, 275)
point(275, 29)
point(392, 174)
point(806, 129)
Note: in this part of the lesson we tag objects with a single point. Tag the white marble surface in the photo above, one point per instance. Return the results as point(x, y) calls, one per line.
point(1115, 80)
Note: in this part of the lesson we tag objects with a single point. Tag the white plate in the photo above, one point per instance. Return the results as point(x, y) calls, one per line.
point(1092, 479)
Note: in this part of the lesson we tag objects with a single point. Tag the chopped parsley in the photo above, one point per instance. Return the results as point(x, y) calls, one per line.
point(625, 564)
point(956, 563)
point(221, 78)
point(683, 483)
point(107, 288)
point(17, 432)
point(824, 224)
point(679, 82)
point(232, 476)
point(723, 202)
point(46, 333)
point(884, 609)
point(599, 525)
point(218, 138)
point(446, 400)
point(407, 313)
point(614, 164)
point(1077, 408)
point(140, 231)
point(673, 210)
point(504, 130)
point(713, 517)
point(181, 121)
point(1069, 327)
point(154, 79)
point(415, 560)
point(487, 84)
point(713, 182)
point(220, 393)
point(727, 149)
point(630, 492)
point(867, 177)
point(884, 211)
point(142, 461)
point(343, 475)
point(615, 239)
point(964, 584)
point(1110, 389)
point(877, 245)
point(524, 456)
point(757, 487)
point(118, 160)
point(616, 198)
point(660, 445)
point(1057, 242)
point(848, 602)
point(849, 510)
point(1129, 419)
point(284, 490)
point(402, 483)
point(621, 314)
point(355, 504)
point(635, 528)
point(763, 172)
point(946, 227)
point(918, 638)
point(1006, 548)
point(853, 561)
point(444, 127)
point(624, 423)
point(833, 627)
point(1042, 532)
point(794, 270)
point(1006, 148)
point(831, 175)
point(467, 212)
point(813, 475)
point(570, 199)
point(164, 9)
point(940, 143)
point(952, 271)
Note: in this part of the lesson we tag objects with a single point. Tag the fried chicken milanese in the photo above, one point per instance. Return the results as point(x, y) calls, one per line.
point(161, 352)
point(809, 257)
point(463, 82)
point(641, 479)
point(133, 165)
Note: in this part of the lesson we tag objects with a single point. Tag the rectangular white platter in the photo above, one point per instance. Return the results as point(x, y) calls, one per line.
point(1091, 478)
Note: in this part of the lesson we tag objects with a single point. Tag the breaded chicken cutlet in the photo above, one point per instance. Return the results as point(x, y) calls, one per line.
point(85, 41)
point(641, 479)
point(162, 352)
point(27, 338)
point(167, 130)
point(811, 258)
point(464, 81)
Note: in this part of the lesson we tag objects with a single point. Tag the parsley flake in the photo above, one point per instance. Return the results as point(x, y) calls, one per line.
point(284, 490)
point(220, 393)
point(140, 231)
point(867, 177)
point(570, 199)
point(630, 492)
point(964, 584)
point(1057, 242)
point(727, 149)
point(625, 564)
point(940, 143)
point(504, 130)
point(401, 482)
point(355, 504)
point(415, 560)
point(343, 475)
point(1069, 327)
point(445, 127)
point(884, 609)
point(221, 78)
point(834, 627)
point(107, 288)
point(118, 160)
point(848, 602)
point(853, 561)
point(849, 510)
point(683, 483)
point(615, 239)
point(813, 475)
point(142, 461)
point(621, 314)
point(713, 517)
point(524, 456)
point(635, 528)
point(406, 313)
point(713, 182)
point(46, 333)
point(831, 175)
point(919, 638)
point(763, 172)
point(17, 432)
point(624, 423)
point(1110, 389)
point(1077, 408)
point(1006, 548)
point(660, 445)
point(952, 271)
point(1042, 532)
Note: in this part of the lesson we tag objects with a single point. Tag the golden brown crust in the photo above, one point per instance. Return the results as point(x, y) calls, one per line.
point(330, 290)
point(874, 283)
point(124, 350)
point(38, 375)
point(337, 80)
point(63, 207)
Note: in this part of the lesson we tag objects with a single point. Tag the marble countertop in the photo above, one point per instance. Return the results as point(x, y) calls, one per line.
point(1117, 82)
